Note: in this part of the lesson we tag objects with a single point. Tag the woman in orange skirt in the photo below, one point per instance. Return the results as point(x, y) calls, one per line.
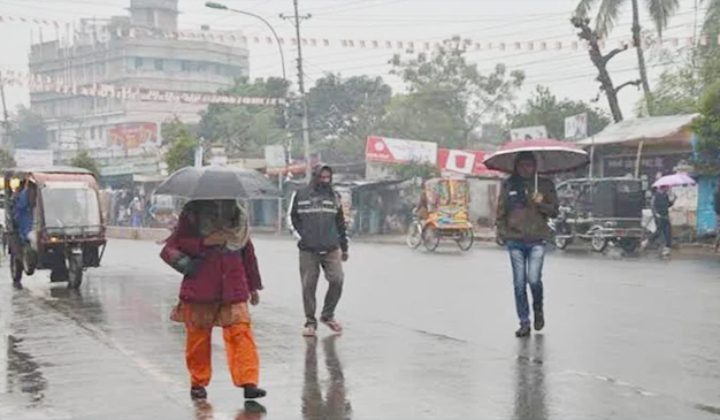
point(215, 293)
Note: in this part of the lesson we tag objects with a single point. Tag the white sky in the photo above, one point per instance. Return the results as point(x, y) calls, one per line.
point(568, 73)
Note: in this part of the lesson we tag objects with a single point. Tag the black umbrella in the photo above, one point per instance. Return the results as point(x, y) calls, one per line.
point(218, 183)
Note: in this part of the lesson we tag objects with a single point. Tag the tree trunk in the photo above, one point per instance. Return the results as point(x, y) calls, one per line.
point(637, 41)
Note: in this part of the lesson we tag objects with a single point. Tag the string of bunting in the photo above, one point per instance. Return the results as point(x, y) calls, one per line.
point(38, 83)
point(477, 45)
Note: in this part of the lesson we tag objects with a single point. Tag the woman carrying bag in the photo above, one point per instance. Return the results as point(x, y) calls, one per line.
point(211, 247)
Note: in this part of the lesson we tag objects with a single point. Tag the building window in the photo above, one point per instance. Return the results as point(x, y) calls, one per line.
point(158, 65)
point(138, 62)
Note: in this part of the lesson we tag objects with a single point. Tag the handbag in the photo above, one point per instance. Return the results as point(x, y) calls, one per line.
point(179, 261)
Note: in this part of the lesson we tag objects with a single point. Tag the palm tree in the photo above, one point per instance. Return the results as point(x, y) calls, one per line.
point(608, 14)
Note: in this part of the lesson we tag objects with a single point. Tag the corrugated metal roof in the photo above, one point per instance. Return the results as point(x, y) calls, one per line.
point(640, 129)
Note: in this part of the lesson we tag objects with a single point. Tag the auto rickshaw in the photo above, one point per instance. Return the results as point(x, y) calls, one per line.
point(66, 227)
point(600, 211)
point(445, 215)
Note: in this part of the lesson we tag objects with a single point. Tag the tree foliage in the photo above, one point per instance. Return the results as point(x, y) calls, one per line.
point(415, 170)
point(447, 97)
point(344, 112)
point(6, 159)
point(544, 108)
point(28, 131)
point(245, 129)
point(707, 128)
point(181, 144)
point(85, 161)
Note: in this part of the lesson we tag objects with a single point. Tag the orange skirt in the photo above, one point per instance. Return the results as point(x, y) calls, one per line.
point(204, 315)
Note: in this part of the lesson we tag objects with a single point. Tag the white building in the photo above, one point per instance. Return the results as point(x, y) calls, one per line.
point(142, 51)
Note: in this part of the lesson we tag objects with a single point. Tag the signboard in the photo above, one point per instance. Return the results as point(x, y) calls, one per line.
point(275, 156)
point(30, 158)
point(576, 127)
point(132, 135)
point(528, 133)
point(387, 150)
point(651, 166)
point(464, 162)
point(218, 156)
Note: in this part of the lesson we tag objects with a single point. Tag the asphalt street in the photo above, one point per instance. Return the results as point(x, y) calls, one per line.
point(426, 336)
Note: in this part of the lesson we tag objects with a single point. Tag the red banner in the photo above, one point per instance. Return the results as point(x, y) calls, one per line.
point(388, 150)
point(465, 163)
point(131, 136)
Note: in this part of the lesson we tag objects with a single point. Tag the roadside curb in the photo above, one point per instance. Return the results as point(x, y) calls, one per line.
point(157, 235)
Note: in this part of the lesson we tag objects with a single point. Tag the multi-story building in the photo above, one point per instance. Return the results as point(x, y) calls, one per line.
point(142, 51)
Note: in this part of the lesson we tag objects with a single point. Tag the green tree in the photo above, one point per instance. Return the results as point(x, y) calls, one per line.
point(344, 112)
point(181, 144)
point(447, 97)
point(544, 108)
point(28, 131)
point(85, 161)
point(6, 159)
point(679, 88)
point(415, 170)
point(245, 129)
point(609, 12)
point(707, 128)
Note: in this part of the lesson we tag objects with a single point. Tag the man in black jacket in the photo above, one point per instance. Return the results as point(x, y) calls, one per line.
point(317, 221)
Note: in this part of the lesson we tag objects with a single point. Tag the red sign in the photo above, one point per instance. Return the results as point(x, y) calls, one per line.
point(131, 136)
point(387, 150)
point(464, 162)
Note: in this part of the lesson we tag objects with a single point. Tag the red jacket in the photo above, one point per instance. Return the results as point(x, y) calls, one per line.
point(222, 276)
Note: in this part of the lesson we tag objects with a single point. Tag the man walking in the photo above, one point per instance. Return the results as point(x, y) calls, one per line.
point(524, 207)
point(662, 200)
point(316, 219)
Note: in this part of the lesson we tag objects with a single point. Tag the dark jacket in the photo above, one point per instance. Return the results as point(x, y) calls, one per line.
point(518, 217)
point(223, 276)
point(316, 218)
point(661, 203)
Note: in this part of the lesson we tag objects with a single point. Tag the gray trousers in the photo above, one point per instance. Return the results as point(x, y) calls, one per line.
point(310, 264)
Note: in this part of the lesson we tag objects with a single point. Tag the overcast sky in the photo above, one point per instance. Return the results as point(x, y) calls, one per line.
point(567, 72)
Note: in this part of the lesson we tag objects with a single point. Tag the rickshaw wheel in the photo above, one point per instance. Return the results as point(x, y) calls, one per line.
point(415, 235)
point(597, 242)
point(431, 238)
point(561, 243)
point(466, 239)
point(75, 271)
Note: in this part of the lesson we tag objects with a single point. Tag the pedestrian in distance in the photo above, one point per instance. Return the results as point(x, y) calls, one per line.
point(662, 201)
point(522, 224)
point(211, 246)
point(316, 219)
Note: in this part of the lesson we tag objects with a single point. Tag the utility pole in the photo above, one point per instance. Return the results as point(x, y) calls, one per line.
point(301, 84)
point(6, 118)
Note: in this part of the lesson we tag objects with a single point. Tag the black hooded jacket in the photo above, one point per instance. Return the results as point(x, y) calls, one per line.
point(316, 218)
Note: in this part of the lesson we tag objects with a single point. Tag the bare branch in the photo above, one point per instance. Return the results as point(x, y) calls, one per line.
point(609, 56)
point(626, 84)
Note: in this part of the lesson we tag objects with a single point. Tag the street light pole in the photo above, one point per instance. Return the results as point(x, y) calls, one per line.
point(213, 5)
point(301, 85)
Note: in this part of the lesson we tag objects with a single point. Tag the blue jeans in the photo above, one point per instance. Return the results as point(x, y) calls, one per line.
point(527, 263)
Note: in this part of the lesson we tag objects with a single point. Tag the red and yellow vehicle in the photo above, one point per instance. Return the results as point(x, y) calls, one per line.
point(65, 232)
point(442, 214)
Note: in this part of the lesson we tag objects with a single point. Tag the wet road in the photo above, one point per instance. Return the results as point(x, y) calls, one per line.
point(427, 336)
